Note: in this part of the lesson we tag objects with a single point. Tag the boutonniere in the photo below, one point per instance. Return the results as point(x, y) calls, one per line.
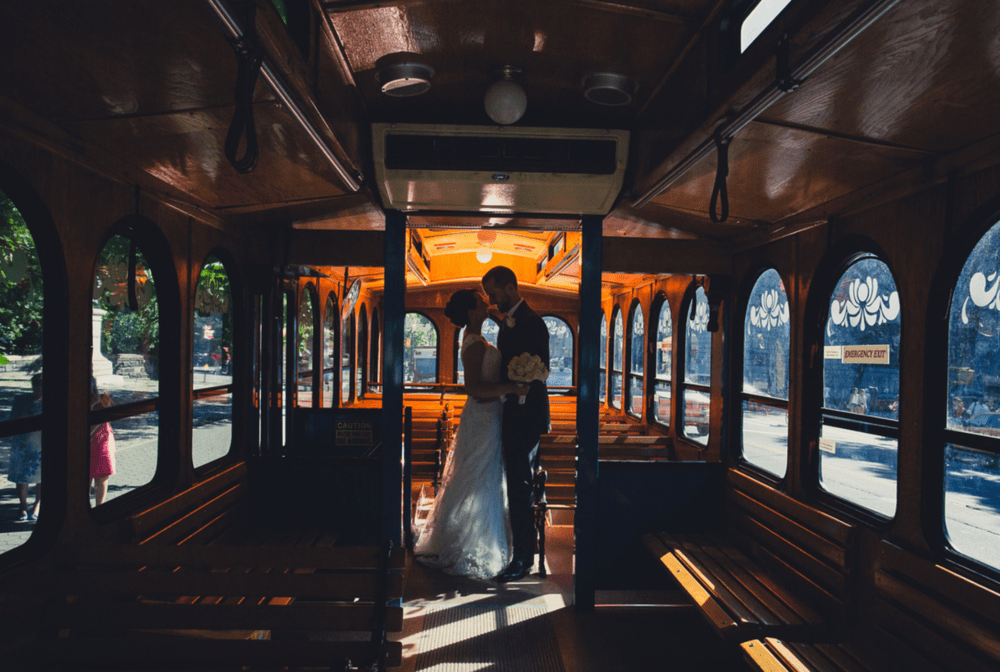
point(510, 322)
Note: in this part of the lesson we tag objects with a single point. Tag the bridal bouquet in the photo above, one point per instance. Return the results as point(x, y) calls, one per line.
point(526, 368)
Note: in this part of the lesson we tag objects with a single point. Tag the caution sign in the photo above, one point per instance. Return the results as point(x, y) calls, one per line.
point(865, 354)
point(354, 433)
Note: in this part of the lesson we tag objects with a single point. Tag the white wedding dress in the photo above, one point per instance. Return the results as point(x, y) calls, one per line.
point(467, 532)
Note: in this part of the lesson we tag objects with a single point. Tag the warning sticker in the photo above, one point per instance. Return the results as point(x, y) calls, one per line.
point(828, 446)
point(354, 433)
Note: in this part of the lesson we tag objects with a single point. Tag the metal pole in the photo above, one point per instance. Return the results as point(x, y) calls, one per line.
point(392, 377)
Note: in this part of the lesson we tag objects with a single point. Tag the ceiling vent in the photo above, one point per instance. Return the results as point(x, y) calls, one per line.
point(502, 170)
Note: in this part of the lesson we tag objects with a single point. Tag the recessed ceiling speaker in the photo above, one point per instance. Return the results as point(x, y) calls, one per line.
point(403, 80)
point(609, 88)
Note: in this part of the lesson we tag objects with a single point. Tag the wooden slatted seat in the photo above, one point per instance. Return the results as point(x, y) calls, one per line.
point(778, 569)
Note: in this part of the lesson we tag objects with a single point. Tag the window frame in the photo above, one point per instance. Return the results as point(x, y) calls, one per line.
point(603, 367)
point(374, 363)
point(236, 364)
point(634, 309)
point(309, 293)
point(349, 330)
point(572, 334)
point(653, 340)
point(361, 373)
point(437, 348)
point(689, 304)
point(333, 324)
point(616, 314)
point(739, 374)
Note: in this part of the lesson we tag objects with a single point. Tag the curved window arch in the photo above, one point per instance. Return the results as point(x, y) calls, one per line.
point(972, 433)
point(212, 352)
point(305, 347)
point(420, 349)
point(560, 352)
point(362, 374)
point(697, 369)
point(347, 358)
point(617, 353)
point(374, 360)
point(636, 360)
point(331, 321)
point(859, 431)
point(603, 388)
point(22, 303)
point(664, 348)
point(490, 332)
point(766, 338)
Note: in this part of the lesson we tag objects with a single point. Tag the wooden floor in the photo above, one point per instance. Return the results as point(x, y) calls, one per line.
point(464, 625)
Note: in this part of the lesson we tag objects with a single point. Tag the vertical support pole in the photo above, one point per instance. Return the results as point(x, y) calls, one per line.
point(587, 412)
point(392, 376)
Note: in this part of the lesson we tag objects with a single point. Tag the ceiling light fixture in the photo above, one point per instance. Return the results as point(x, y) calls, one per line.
point(609, 88)
point(486, 238)
point(505, 100)
point(404, 80)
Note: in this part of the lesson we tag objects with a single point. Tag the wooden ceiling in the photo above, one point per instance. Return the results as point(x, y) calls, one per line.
point(150, 85)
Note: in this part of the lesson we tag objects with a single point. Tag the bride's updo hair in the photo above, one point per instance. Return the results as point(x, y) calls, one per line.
point(459, 305)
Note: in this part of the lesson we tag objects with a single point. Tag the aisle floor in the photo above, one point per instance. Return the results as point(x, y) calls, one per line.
point(455, 624)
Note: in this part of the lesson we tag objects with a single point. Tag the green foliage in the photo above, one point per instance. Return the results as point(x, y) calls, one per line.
point(419, 331)
point(123, 330)
point(21, 295)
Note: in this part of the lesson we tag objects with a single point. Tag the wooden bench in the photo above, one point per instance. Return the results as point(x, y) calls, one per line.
point(200, 584)
point(778, 569)
point(924, 617)
point(431, 435)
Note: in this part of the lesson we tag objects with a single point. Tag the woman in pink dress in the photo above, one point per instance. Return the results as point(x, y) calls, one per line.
point(102, 447)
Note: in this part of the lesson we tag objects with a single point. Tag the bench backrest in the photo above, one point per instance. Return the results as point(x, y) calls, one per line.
point(813, 551)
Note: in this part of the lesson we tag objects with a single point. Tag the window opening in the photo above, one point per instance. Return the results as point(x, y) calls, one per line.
point(636, 358)
point(616, 360)
point(212, 375)
point(603, 387)
point(697, 370)
point(972, 435)
point(560, 352)
point(766, 337)
point(305, 348)
point(375, 359)
point(420, 347)
point(859, 432)
point(21, 314)
point(664, 353)
point(125, 373)
point(347, 358)
point(362, 368)
point(759, 18)
point(330, 321)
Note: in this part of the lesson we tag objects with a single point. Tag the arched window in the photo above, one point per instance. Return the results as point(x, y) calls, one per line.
point(697, 370)
point(859, 431)
point(21, 313)
point(490, 332)
point(664, 348)
point(212, 378)
point(347, 358)
point(636, 339)
point(560, 352)
point(618, 346)
point(362, 352)
point(766, 334)
point(375, 360)
point(305, 347)
point(603, 388)
point(972, 434)
point(331, 320)
point(420, 348)
point(125, 370)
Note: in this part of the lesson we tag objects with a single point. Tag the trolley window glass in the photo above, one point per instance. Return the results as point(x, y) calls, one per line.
point(603, 387)
point(212, 374)
point(697, 370)
point(560, 352)
point(21, 313)
point(664, 348)
point(330, 322)
point(859, 432)
point(362, 368)
point(636, 339)
point(305, 347)
point(420, 350)
point(972, 434)
point(766, 334)
point(618, 345)
point(346, 357)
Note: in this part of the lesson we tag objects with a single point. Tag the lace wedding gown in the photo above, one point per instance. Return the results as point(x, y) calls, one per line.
point(468, 531)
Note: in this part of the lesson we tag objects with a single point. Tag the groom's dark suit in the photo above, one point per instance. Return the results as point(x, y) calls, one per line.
point(523, 424)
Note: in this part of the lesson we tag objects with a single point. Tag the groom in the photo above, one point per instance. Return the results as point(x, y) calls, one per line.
point(521, 330)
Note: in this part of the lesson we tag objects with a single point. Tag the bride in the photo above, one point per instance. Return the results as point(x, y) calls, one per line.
point(468, 531)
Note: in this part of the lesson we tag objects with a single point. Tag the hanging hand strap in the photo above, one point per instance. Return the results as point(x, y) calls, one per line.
point(721, 172)
point(250, 56)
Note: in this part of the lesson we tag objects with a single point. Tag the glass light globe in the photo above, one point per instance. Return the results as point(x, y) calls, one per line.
point(505, 102)
point(484, 255)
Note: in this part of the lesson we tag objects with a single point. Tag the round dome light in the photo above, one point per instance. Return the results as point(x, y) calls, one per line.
point(403, 80)
point(484, 254)
point(505, 100)
point(609, 88)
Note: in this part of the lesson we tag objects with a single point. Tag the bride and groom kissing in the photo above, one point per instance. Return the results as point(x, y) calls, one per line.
point(482, 523)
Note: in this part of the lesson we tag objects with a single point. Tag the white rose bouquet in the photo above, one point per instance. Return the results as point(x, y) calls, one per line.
point(527, 368)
